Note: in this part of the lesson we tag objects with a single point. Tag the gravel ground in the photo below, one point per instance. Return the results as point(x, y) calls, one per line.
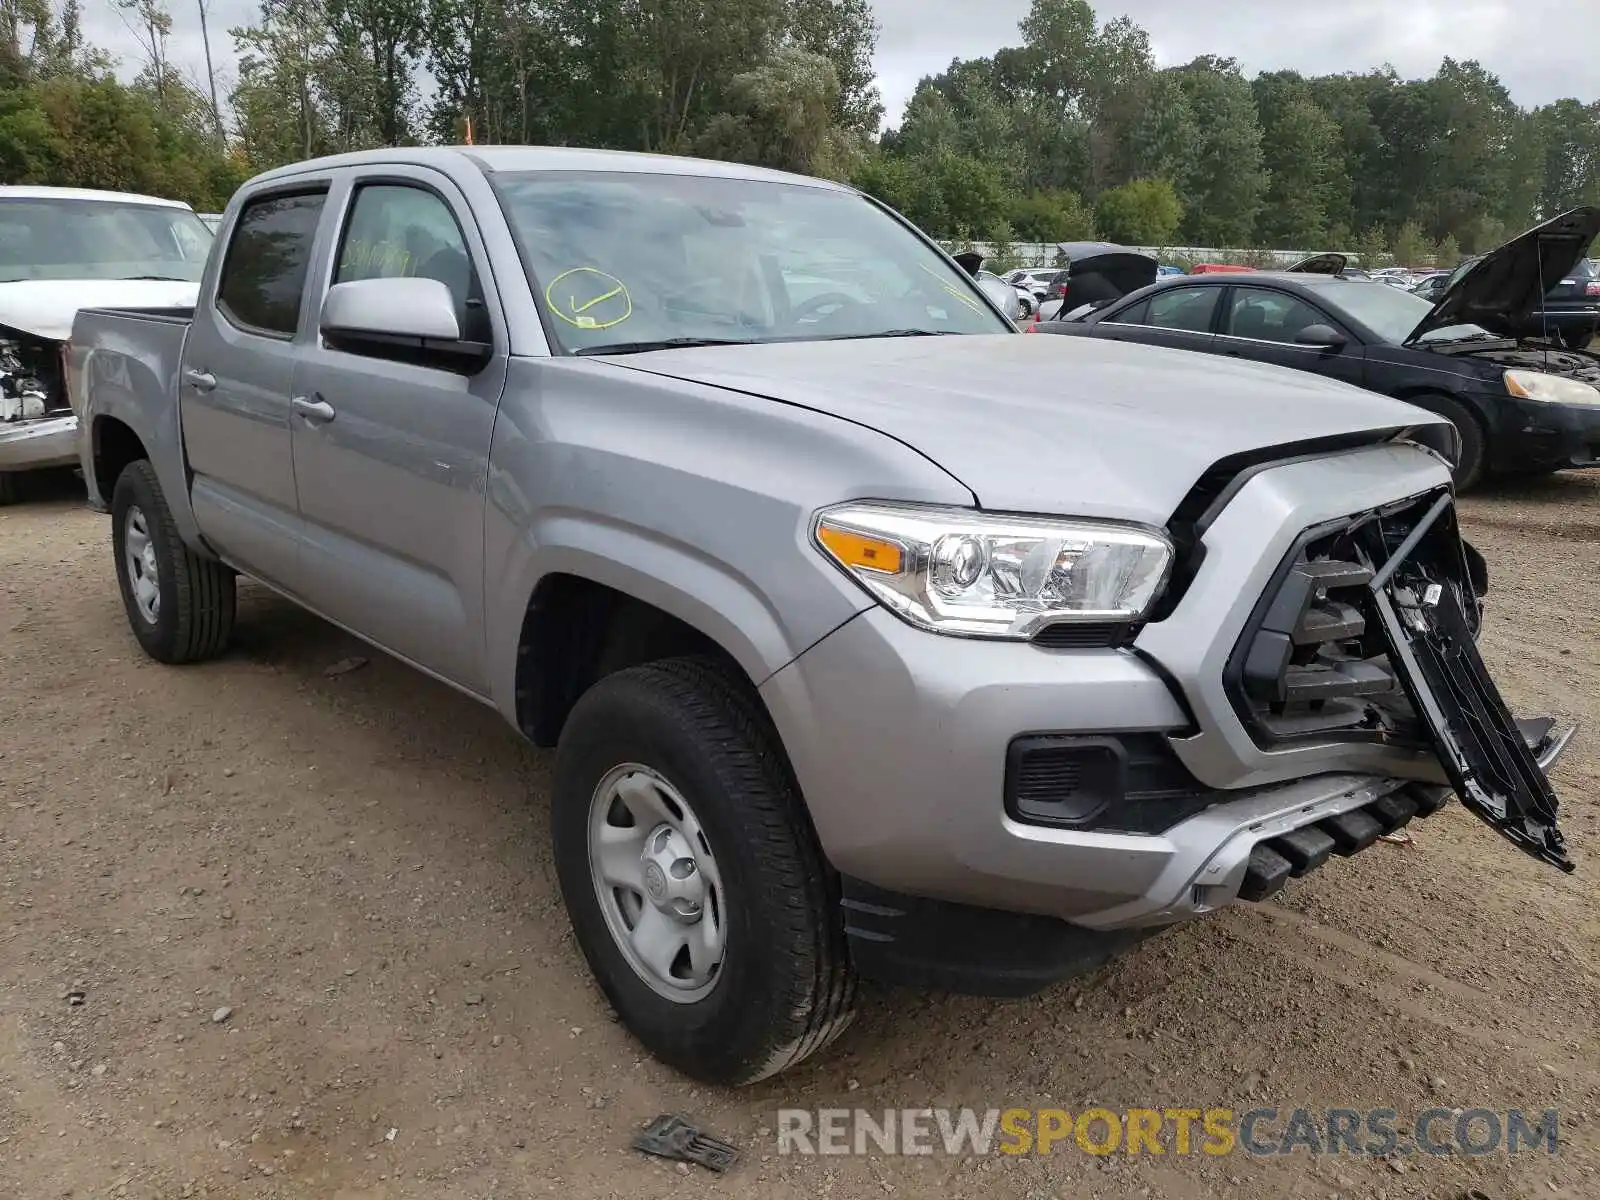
point(275, 929)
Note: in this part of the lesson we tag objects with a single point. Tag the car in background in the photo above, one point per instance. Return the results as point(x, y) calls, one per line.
point(1035, 280)
point(1167, 269)
point(1570, 312)
point(1519, 405)
point(1218, 269)
point(63, 249)
point(1096, 274)
point(1431, 286)
point(212, 220)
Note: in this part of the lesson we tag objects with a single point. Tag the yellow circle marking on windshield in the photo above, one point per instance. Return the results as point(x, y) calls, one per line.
point(589, 298)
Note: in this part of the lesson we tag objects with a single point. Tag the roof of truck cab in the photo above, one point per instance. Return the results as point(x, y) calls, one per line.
point(495, 159)
point(63, 193)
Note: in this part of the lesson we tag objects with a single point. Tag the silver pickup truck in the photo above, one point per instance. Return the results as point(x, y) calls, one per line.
point(862, 654)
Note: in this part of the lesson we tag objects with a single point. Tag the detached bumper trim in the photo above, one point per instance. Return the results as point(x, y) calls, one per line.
point(42, 442)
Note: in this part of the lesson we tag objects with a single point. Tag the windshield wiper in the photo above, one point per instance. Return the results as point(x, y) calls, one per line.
point(890, 333)
point(158, 278)
point(677, 343)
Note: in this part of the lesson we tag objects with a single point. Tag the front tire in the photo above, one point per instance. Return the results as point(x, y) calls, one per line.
point(692, 877)
point(180, 606)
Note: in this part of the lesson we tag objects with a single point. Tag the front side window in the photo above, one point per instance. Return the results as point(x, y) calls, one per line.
point(398, 231)
point(100, 239)
point(627, 260)
point(264, 274)
point(1186, 309)
point(1268, 316)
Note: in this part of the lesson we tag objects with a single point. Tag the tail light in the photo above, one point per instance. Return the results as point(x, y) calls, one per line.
point(1592, 288)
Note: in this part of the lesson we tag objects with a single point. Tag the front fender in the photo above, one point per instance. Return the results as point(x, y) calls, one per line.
point(687, 497)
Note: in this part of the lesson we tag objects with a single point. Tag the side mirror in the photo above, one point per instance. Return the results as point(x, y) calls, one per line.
point(405, 320)
point(1324, 336)
point(969, 261)
point(398, 308)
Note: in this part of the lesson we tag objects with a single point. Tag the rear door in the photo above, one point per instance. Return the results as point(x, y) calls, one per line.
point(391, 456)
point(234, 387)
point(1180, 317)
point(1261, 324)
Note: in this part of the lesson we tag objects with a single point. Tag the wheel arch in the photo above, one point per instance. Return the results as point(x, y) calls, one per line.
point(585, 614)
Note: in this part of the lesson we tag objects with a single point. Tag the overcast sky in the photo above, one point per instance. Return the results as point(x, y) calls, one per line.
point(1520, 40)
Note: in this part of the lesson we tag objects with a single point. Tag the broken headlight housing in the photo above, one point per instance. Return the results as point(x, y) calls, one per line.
point(23, 395)
point(973, 574)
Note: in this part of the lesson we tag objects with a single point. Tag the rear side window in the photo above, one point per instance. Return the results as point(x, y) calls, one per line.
point(1189, 309)
point(264, 274)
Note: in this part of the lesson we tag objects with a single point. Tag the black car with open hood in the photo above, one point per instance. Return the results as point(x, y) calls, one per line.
point(1520, 402)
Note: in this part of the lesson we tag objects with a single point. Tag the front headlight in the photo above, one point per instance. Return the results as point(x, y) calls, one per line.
point(1551, 389)
point(953, 570)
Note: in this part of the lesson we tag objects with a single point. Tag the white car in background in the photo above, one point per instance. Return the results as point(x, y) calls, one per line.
point(63, 249)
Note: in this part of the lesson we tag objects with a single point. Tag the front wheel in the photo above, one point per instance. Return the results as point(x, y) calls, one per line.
point(180, 606)
point(692, 877)
point(1474, 440)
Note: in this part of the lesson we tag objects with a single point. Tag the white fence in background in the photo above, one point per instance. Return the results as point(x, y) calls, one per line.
point(1043, 254)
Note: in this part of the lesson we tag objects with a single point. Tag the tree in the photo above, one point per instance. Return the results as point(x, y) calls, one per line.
point(1411, 245)
point(1302, 156)
point(1051, 216)
point(1224, 191)
point(1143, 212)
point(781, 115)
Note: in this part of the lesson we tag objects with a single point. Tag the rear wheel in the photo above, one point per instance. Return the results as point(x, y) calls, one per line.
point(692, 877)
point(1474, 440)
point(180, 606)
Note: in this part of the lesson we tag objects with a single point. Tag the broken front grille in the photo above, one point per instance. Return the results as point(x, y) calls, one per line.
point(1312, 661)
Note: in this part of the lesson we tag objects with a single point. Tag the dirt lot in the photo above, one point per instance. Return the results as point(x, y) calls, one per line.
point(355, 865)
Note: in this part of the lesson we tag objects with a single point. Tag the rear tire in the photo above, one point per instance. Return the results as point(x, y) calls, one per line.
point(188, 614)
point(1474, 439)
point(10, 487)
point(782, 987)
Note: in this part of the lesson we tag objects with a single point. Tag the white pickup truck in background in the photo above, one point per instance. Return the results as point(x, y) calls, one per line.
point(63, 249)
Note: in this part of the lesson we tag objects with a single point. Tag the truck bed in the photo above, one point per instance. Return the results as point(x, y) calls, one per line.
point(123, 367)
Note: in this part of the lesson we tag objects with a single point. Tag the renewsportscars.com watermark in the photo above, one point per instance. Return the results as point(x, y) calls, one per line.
point(1261, 1132)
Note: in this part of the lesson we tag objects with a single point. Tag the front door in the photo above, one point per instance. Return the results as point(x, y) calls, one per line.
point(1261, 324)
point(238, 367)
point(391, 457)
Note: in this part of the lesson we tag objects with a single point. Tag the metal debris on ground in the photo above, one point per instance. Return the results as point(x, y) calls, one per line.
point(344, 666)
point(1398, 838)
point(671, 1136)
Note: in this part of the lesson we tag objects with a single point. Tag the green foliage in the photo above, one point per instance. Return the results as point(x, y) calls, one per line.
point(1411, 246)
point(1071, 127)
point(1142, 212)
point(1051, 216)
point(1448, 253)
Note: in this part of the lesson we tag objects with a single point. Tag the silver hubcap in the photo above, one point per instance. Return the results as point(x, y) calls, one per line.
point(140, 552)
point(657, 882)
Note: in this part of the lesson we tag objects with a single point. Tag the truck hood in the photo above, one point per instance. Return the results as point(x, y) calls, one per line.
point(1501, 291)
point(1085, 426)
point(46, 307)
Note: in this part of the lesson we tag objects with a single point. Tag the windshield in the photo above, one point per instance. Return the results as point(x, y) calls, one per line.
point(100, 239)
point(1392, 313)
point(625, 260)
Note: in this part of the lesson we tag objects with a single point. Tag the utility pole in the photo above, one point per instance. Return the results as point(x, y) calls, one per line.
point(211, 75)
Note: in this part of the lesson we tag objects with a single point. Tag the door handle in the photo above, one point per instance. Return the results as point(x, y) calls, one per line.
point(313, 408)
point(200, 381)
